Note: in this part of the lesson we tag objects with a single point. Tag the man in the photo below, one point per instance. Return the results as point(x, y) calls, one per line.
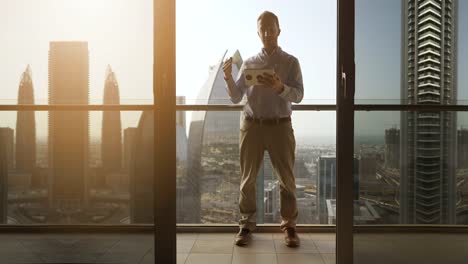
point(266, 125)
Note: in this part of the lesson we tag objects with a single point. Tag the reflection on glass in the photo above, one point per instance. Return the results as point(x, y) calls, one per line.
point(213, 167)
point(418, 47)
point(28, 196)
point(415, 177)
point(308, 30)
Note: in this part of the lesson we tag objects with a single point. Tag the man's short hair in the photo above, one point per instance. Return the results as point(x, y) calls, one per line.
point(268, 14)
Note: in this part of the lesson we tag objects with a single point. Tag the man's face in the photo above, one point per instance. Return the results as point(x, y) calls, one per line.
point(268, 31)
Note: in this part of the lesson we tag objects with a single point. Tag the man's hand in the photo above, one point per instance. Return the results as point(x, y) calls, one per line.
point(227, 69)
point(272, 81)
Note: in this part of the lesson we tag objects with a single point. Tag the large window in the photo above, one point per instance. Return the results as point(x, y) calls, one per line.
point(208, 178)
point(61, 162)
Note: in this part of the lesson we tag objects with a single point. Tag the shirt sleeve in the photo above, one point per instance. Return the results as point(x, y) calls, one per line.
point(293, 88)
point(236, 89)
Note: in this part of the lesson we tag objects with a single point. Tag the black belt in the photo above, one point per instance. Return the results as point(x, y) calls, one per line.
point(269, 121)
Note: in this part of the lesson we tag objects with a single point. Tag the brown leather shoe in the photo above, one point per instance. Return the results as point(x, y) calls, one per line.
point(243, 237)
point(291, 238)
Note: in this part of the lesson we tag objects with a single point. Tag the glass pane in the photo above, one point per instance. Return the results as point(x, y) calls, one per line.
point(411, 52)
point(411, 170)
point(208, 169)
point(229, 29)
point(82, 45)
point(93, 170)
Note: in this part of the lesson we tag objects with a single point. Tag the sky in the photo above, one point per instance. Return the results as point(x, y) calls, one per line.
point(120, 33)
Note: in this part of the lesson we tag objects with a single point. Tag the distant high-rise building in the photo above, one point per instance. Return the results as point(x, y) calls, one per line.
point(7, 136)
point(462, 145)
point(326, 184)
point(25, 154)
point(4, 150)
point(129, 145)
point(142, 168)
point(392, 148)
point(180, 115)
point(68, 130)
point(428, 139)
point(111, 149)
point(271, 202)
point(213, 135)
point(142, 172)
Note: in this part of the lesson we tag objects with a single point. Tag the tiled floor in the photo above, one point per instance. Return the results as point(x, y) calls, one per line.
point(264, 249)
point(219, 249)
point(210, 248)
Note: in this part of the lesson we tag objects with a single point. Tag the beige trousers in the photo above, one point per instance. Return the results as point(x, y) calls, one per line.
point(279, 141)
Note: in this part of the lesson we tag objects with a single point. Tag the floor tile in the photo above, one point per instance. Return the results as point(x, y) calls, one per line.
point(189, 236)
point(299, 259)
point(217, 236)
point(329, 258)
point(262, 236)
point(302, 236)
point(322, 236)
point(181, 258)
point(256, 246)
point(209, 259)
point(15, 257)
point(326, 246)
point(213, 246)
point(254, 259)
point(147, 259)
point(307, 246)
point(184, 245)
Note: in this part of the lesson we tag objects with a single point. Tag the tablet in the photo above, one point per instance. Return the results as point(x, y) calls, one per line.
point(252, 76)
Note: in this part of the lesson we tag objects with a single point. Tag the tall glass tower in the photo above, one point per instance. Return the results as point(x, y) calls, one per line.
point(428, 139)
point(111, 126)
point(68, 130)
point(25, 154)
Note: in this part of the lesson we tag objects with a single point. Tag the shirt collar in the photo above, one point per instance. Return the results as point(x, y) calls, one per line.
point(277, 50)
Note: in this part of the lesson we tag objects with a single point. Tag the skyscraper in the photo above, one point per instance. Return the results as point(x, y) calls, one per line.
point(326, 185)
point(25, 154)
point(142, 168)
point(428, 139)
point(4, 149)
point(129, 145)
point(213, 140)
point(111, 126)
point(68, 130)
point(462, 152)
point(180, 115)
point(7, 137)
point(392, 148)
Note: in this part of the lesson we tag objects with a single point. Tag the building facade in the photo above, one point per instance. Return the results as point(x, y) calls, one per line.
point(128, 147)
point(141, 176)
point(462, 152)
point(68, 130)
point(392, 148)
point(326, 186)
point(111, 149)
point(428, 139)
point(4, 150)
point(25, 147)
